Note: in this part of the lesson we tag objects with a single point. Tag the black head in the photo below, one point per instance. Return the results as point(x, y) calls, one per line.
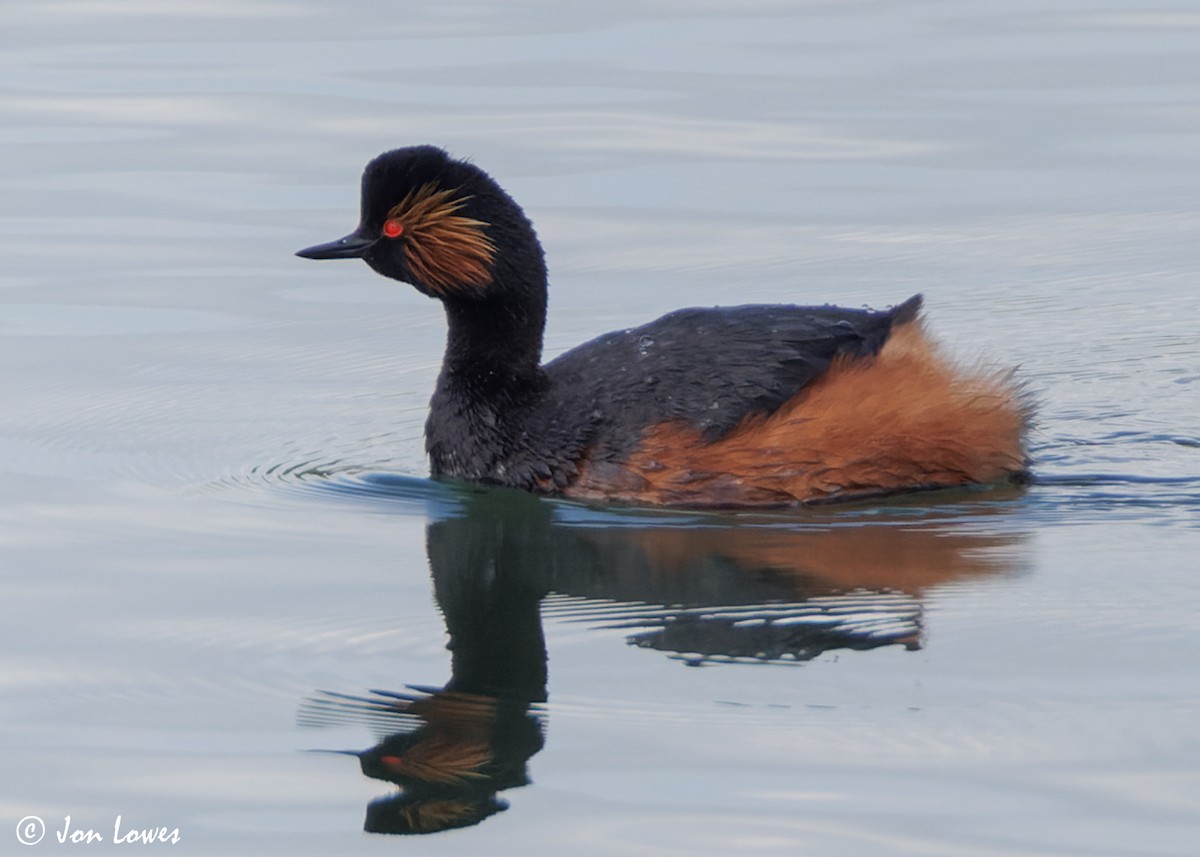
point(441, 224)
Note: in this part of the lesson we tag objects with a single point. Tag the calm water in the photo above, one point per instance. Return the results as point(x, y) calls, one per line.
point(219, 553)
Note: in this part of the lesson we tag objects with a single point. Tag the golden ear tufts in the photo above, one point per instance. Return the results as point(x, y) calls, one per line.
point(445, 250)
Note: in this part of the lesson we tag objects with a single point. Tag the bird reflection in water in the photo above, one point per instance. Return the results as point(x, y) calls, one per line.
point(449, 752)
point(701, 588)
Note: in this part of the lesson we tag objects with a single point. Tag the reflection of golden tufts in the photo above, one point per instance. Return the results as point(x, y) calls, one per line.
point(432, 816)
point(441, 759)
point(462, 710)
point(905, 419)
point(444, 250)
point(454, 747)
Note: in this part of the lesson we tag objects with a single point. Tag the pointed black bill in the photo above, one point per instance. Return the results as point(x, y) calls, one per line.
point(353, 246)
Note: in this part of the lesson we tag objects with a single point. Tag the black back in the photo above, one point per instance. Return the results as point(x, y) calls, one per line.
point(707, 368)
point(713, 367)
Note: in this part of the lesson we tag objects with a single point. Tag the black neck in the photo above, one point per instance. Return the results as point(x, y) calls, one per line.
point(495, 341)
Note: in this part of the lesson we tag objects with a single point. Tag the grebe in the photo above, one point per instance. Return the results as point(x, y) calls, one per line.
point(717, 407)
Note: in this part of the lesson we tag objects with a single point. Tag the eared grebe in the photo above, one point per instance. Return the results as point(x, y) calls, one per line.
point(729, 406)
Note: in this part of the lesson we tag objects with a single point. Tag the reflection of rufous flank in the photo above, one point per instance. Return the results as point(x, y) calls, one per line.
point(900, 558)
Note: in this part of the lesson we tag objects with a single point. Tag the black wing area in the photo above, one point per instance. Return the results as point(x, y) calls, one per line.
point(711, 367)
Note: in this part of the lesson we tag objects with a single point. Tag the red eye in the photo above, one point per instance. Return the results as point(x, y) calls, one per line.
point(393, 228)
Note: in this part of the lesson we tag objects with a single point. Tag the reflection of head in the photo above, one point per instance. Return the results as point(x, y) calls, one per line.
point(449, 752)
point(416, 813)
point(467, 748)
point(463, 741)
